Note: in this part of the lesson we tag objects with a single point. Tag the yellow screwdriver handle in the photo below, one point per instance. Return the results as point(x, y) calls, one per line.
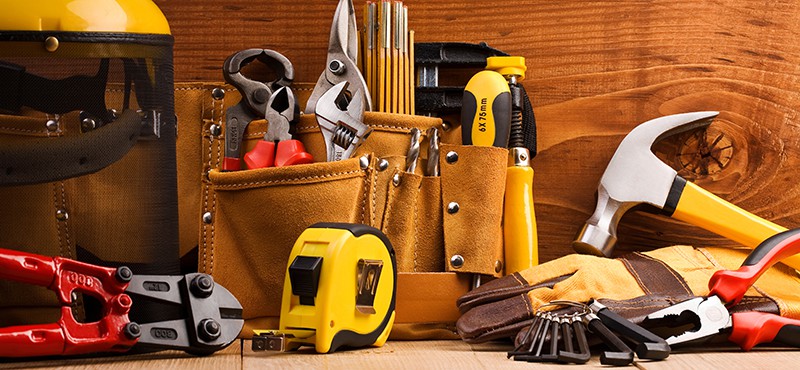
point(521, 245)
point(699, 207)
point(486, 110)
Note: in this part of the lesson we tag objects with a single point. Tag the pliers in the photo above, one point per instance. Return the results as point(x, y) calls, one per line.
point(342, 57)
point(280, 113)
point(255, 97)
point(747, 329)
point(211, 317)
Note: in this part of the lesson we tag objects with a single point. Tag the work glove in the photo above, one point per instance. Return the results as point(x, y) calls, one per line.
point(632, 286)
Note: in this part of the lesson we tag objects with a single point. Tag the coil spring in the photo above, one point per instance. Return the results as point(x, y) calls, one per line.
point(517, 137)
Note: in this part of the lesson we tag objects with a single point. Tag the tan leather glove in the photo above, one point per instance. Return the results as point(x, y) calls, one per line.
point(633, 286)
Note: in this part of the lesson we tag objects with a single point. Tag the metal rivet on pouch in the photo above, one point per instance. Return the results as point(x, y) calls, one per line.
point(62, 215)
point(217, 93)
point(451, 157)
point(207, 217)
point(396, 180)
point(446, 126)
point(52, 125)
point(88, 124)
point(51, 44)
point(215, 130)
point(453, 207)
point(383, 165)
point(364, 162)
point(457, 261)
point(498, 266)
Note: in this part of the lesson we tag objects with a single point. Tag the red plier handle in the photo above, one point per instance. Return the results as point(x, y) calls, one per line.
point(731, 286)
point(68, 336)
point(752, 328)
point(285, 153)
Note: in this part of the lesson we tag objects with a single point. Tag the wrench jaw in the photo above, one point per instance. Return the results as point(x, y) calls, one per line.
point(342, 127)
point(710, 315)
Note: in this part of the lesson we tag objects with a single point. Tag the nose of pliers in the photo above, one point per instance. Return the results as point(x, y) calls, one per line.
point(280, 112)
point(342, 56)
point(708, 315)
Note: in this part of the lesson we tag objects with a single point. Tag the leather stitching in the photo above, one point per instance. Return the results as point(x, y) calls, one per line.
point(344, 175)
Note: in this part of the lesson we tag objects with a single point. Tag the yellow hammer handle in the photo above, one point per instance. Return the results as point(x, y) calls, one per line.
point(521, 243)
point(699, 207)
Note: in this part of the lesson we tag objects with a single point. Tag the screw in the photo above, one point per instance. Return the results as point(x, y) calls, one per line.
point(457, 261)
point(451, 157)
point(217, 93)
point(132, 330)
point(209, 330)
point(202, 286)
point(337, 67)
point(453, 208)
point(123, 274)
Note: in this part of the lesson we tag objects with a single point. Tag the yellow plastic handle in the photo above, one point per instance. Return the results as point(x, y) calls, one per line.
point(699, 207)
point(521, 244)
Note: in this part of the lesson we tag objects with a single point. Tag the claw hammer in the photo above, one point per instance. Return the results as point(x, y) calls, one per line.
point(635, 176)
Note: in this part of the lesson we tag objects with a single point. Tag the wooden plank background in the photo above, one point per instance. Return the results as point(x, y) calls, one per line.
point(595, 71)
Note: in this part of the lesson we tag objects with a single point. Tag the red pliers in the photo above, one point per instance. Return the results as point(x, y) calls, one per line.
point(747, 329)
point(278, 149)
point(211, 317)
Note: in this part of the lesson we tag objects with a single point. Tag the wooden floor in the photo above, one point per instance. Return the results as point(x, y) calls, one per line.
point(406, 355)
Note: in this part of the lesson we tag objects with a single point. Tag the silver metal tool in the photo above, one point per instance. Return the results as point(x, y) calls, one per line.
point(634, 176)
point(341, 121)
point(413, 151)
point(280, 113)
point(255, 96)
point(342, 59)
point(711, 312)
point(433, 152)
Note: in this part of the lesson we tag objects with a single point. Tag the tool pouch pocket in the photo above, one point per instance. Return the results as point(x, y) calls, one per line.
point(251, 218)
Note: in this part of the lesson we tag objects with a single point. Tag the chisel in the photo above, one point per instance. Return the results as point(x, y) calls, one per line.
point(519, 220)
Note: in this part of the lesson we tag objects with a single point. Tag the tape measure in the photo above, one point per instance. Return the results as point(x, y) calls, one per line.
point(340, 290)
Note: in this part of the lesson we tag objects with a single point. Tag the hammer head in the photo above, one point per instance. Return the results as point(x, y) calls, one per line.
point(634, 176)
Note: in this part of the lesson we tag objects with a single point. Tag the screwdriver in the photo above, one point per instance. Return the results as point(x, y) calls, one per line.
point(486, 116)
point(519, 220)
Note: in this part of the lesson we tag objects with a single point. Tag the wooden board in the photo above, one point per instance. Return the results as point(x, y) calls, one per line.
point(595, 71)
point(404, 355)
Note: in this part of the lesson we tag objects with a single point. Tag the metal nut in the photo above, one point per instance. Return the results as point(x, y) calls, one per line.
point(457, 261)
point(383, 165)
point(218, 93)
point(451, 157)
point(337, 67)
point(207, 218)
point(453, 208)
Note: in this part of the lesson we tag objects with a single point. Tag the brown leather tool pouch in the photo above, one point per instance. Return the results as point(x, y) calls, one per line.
point(248, 220)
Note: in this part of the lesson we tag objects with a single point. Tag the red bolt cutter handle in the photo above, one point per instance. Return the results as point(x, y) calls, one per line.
point(731, 286)
point(752, 328)
point(67, 336)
